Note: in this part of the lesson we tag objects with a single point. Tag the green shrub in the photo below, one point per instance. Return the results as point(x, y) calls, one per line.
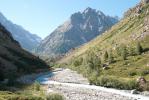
point(132, 73)
point(139, 49)
point(108, 82)
point(124, 53)
point(118, 51)
point(17, 97)
point(2, 98)
point(37, 86)
point(131, 84)
point(110, 57)
point(54, 97)
point(6, 95)
point(77, 62)
point(144, 72)
point(131, 51)
point(92, 60)
point(113, 82)
point(105, 56)
point(93, 78)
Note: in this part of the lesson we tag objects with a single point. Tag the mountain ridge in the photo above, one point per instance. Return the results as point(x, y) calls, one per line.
point(79, 29)
point(27, 40)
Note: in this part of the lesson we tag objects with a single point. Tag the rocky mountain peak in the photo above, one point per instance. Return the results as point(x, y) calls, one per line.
point(87, 16)
point(82, 27)
point(89, 10)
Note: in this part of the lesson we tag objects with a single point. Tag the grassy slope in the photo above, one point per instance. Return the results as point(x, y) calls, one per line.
point(119, 34)
point(28, 92)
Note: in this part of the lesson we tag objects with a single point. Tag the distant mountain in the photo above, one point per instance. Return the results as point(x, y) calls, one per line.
point(79, 29)
point(27, 40)
point(14, 60)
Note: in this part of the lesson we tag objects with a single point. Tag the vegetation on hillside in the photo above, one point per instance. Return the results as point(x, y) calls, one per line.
point(117, 57)
point(27, 92)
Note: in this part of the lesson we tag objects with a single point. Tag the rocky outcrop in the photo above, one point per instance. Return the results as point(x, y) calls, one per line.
point(144, 1)
point(136, 11)
point(79, 29)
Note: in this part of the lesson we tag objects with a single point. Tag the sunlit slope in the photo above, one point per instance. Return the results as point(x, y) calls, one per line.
point(132, 30)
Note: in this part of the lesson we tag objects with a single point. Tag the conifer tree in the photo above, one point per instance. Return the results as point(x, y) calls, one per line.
point(110, 57)
point(139, 49)
point(105, 56)
point(124, 53)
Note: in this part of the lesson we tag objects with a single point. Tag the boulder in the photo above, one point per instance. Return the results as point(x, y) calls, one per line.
point(105, 65)
point(105, 68)
point(141, 83)
point(138, 9)
point(141, 80)
point(134, 91)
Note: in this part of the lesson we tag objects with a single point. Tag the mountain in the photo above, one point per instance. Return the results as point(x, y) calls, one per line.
point(15, 61)
point(79, 29)
point(119, 56)
point(27, 40)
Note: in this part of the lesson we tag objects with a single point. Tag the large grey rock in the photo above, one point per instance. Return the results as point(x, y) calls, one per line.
point(79, 29)
point(141, 80)
point(134, 91)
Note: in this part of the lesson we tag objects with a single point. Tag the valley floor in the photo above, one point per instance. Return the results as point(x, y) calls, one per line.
point(75, 87)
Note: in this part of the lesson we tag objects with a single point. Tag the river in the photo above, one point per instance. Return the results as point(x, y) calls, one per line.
point(75, 87)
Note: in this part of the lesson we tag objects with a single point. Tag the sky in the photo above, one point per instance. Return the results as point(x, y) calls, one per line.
point(41, 17)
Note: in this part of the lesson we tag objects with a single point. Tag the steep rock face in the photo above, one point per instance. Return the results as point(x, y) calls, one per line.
point(144, 1)
point(136, 11)
point(15, 61)
point(79, 29)
point(27, 40)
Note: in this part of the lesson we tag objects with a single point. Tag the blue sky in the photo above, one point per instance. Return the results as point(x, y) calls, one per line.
point(41, 17)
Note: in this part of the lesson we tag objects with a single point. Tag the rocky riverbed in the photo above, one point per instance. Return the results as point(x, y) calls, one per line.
point(68, 76)
point(75, 87)
point(80, 93)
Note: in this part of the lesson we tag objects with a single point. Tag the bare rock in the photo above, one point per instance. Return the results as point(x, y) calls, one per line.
point(105, 65)
point(105, 68)
point(144, 1)
point(141, 80)
point(134, 91)
point(142, 83)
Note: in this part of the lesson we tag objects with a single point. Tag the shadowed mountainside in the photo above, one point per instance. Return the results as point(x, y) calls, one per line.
point(15, 61)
